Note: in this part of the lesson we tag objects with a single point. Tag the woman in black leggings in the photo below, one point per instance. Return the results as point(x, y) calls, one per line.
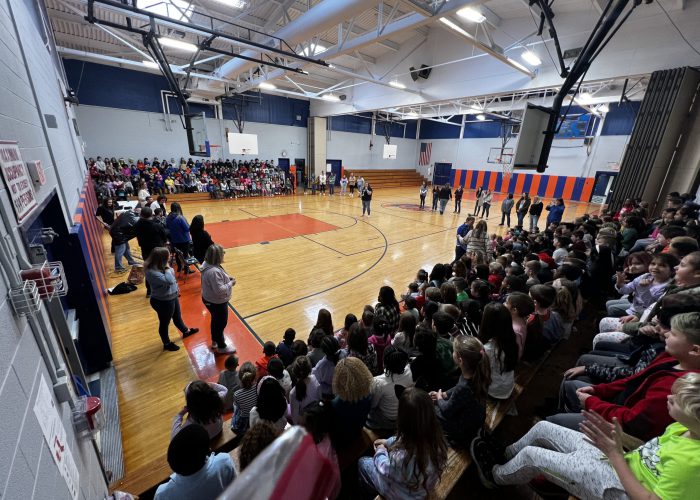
point(164, 296)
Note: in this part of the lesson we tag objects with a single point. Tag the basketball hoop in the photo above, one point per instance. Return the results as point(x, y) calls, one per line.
point(507, 170)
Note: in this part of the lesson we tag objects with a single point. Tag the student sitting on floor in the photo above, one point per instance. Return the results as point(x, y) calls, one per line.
point(244, 399)
point(666, 467)
point(409, 464)
point(197, 473)
point(276, 370)
point(461, 410)
point(306, 391)
point(323, 371)
point(229, 379)
point(284, 348)
point(258, 437)
point(204, 406)
point(317, 419)
point(269, 352)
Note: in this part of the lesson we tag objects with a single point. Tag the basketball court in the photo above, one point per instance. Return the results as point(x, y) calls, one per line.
point(291, 256)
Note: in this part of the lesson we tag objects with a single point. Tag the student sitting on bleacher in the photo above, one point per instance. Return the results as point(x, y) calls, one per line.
point(461, 410)
point(271, 405)
point(305, 392)
point(666, 467)
point(409, 464)
point(204, 406)
point(501, 347)
point(385, 403)
point(638, 401)
point(197, 473)
point(352, 387)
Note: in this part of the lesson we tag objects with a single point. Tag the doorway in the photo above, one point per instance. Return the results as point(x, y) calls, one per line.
point(336, 167)
point(441, 175)
point(603, 186)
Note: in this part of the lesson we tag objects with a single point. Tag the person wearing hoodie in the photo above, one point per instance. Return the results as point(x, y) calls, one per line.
point(506, 208)
point(201, 240)
point(179, 231)
point(556, 211)
point(216, 293)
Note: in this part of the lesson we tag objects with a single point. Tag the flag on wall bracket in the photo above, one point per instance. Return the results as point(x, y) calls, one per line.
point(425, 150)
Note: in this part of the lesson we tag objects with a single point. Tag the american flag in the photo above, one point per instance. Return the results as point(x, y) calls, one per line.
point(425, 150)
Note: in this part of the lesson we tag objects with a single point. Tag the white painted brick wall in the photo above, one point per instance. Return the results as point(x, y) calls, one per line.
point(27, 470)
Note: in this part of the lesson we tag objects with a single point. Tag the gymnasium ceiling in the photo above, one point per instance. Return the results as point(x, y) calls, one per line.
point(367, 47)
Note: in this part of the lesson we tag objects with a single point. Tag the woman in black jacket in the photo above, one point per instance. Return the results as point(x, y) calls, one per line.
point(200, 238)
point(535, 212)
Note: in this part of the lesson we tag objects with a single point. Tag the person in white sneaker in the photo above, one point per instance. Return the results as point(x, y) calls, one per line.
point(216, 293)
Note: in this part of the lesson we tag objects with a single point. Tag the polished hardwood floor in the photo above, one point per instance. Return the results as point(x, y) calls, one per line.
point(281, 283)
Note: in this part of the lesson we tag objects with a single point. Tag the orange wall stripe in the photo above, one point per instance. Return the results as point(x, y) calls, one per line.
point(458, 177)
point(535, 185)
point(551, 186)
point(468, 181)
point(480, 178)
point(569, 187)
point(505, 183)
point(520, 183)
point(493, 177)
point(587, 189)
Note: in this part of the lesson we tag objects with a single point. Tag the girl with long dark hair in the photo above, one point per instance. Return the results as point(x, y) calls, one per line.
point(501, 347)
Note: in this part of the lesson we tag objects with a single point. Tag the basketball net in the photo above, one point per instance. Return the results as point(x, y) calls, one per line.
point(507, 170)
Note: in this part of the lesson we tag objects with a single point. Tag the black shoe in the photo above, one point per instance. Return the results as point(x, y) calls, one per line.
point(189, 332)
point(171, 347)
point(483, 457)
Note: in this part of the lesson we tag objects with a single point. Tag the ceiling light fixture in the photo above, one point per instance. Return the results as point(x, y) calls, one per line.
point(236, 4)
point(603, 108)
point(412, 114)
point(455, 27)
point(584, 98)
point(330, 97)
point(531, 58)
point(266, 86)
point(177, 44)
point(472, 15)
point(481, 117)
point(396, 84)
point(150, 64)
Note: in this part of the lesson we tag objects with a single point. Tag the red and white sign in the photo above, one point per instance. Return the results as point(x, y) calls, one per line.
point(19, 184)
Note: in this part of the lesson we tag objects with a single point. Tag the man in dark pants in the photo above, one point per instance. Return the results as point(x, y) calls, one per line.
point(149, 234)
point(445, 195)
point(462, 231)
point(458, 199)
point(522, 207)
point(436, 192)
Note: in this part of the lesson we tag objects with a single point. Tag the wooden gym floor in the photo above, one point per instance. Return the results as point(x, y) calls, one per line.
point(291, 256)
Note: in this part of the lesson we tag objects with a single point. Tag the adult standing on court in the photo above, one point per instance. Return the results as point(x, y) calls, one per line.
point(216, 293)
point(352, 182)
point(486, 203)
point(436, 194)
point(535, 212)
point(150, 234)
point(556, 211)
point(179, 234)
point(360, 185)
point(445, 195)
point(522, 207)
point(506, 207)
point(322, 183)
point(121, 231)
point(331, 184)
point(458, 199)
point(164, 296)
point(423, 192)
point(479, 199)
point(366, 199)
point(343, 185)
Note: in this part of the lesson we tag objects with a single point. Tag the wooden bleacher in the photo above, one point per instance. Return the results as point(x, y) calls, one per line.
point(388, 178)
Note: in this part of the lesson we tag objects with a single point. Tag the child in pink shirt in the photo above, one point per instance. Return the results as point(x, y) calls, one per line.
point(520, 306)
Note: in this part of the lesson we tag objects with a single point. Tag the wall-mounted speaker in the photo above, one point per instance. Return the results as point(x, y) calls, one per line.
point(423, 72)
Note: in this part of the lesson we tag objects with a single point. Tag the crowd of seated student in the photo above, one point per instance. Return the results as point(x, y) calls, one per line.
point(222, 178)
point(465, 332)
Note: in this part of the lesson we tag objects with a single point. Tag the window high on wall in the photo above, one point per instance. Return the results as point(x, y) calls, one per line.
point(174, 9)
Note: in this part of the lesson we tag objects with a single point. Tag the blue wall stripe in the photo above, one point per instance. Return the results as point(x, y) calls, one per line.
point(578, 188)
point(528, 183)
point(559, 189)
point(542, 189)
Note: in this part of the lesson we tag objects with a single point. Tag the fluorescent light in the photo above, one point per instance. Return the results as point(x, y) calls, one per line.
point(313, 49)
point(330, 97)
point(531, 58)
point(236, 4)
point(603, 108)
point(177, 44)
point(472, 15)
point(412, 114)
point(584, 98)
point(481, 117)
point(150, 64)
point(397, 84)
point(455, 27)
point(267, 86)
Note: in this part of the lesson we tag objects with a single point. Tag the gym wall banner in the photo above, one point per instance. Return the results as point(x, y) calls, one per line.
point(19, 183)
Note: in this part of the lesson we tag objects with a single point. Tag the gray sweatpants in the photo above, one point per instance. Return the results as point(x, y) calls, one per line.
point(565, 458)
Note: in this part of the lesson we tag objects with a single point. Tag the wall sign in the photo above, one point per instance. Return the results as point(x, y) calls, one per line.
point(55, 436)
point(19, 184)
